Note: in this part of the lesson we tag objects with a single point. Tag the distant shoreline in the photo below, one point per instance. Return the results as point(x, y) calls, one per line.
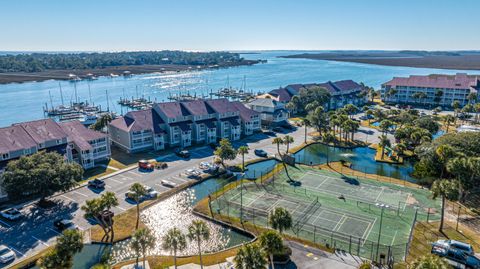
point(458, 61)
point(21, 77)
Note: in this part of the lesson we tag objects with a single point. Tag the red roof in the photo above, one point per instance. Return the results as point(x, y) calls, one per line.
point(80, 135)
point(43, 130)
point(15, 138)
point(458, 81)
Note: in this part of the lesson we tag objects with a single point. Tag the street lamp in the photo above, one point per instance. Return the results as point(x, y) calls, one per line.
point(382, 206)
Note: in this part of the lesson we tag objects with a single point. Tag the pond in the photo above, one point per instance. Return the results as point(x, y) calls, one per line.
point(176, 211)
point(362, 159)
point(257, 169)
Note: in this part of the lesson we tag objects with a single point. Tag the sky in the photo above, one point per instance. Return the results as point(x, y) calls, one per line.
point(206, 25)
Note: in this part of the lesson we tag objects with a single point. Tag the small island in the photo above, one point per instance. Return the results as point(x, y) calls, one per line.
point(460, 60)
point(76, 66)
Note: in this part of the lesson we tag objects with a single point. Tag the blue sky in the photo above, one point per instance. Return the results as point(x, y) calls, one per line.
point(108, 25)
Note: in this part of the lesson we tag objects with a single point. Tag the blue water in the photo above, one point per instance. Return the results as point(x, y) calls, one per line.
point(22, 102)
point(362, 159)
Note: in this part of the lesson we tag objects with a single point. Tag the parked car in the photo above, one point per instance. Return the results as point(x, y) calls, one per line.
point(151, 192)
point(277, 129)
point(270, 133)
point(65, 224)
point(11, 214)
point(183, 153)
point(289, 127)
point(96, 184)
point(6, 254)
point(260, 153)
point(144, 164)
point(467, 248)
point(169, 184)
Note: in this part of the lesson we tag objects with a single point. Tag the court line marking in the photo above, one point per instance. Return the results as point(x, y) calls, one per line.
point(40, 241)
point(368, 234)
point(340, 221)
point(366, 184)
point(378, 196)
point(79, 193)
point(394, 236)
point(68, 198)
point(324, 180)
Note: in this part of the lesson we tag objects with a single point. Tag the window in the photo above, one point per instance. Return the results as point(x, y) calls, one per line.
point(5, 156)
point(59, 141)
point(41, 146)
point(26, 151)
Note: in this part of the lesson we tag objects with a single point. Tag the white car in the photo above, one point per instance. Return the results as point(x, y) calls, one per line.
point(6, 254)
point(11, 214)
point(169, 184)
point(151, 193)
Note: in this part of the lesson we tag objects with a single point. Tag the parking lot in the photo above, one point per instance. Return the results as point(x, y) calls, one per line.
point(35, 231)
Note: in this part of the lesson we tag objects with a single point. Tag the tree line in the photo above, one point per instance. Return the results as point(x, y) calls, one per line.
point(37, 62)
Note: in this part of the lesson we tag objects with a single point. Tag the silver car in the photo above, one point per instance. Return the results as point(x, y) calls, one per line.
point(6, 254)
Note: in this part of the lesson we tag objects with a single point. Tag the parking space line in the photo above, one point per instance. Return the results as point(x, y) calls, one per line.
point(19, 252)
point(54, 231)
point(40, 241)
point(108, 186)
point(129, 178)
point(68, 198)
point(6, 224)
point(121, 208)
point(79, 193)
point(112, 179)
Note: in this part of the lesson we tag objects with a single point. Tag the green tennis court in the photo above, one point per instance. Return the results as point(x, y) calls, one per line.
point(347, 213)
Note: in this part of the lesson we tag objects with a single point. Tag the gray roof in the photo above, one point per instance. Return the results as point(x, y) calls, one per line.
point(15, 138)
point(80, 135)
point(337, 87)
point(43, 130)
point(267, 102)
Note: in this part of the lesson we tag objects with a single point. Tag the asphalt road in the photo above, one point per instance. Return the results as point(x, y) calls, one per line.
point(36, 231)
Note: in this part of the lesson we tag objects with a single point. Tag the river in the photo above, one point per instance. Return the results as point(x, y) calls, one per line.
point(23, 102)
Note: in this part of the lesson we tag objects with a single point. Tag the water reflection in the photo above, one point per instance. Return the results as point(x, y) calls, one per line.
point(362, 159)
point(176, 211)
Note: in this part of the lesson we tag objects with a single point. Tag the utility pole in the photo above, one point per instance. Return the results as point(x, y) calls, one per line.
point(380, 230)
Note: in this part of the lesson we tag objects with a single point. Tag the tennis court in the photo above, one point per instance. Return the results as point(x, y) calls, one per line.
point(358, 216)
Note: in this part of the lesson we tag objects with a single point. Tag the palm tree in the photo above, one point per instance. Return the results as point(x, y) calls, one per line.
point(287, 140)
point(306, 124)
point(384, 142)
point(93, 209)
point(448, 119)
point(445, 152)
point(446, 189)
point(280, 219)
point(278, 141)
point(109, 200)
point(198, 231)
point(431, 261)
point(174, 241)
point(137, 191)
point(272, 243)
point(460, 168)
point(243, 150)
point(142, 241)
point(250, 256)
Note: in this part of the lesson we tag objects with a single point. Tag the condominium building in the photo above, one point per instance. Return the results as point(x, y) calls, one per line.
point(272, 112)
point(437, 90)
point(342, 92)
point(70, 139)
point(181, 124)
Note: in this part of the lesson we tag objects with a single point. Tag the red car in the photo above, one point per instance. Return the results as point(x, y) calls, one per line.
point(143, 164)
